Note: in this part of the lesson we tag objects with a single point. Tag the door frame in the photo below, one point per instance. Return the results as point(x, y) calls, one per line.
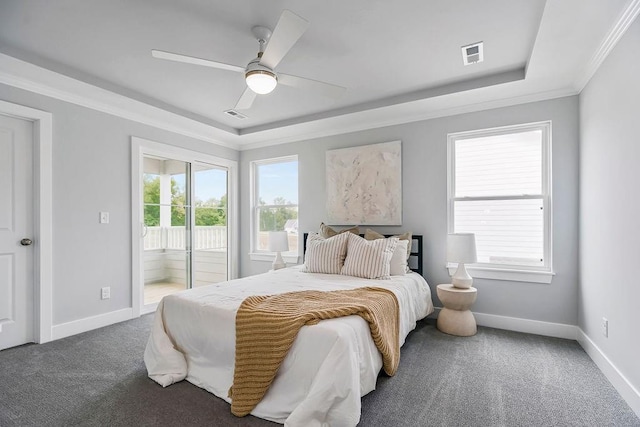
point(42, 215)
point(141, 147)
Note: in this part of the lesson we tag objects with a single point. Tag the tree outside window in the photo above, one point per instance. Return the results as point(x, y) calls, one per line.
point(209, 212)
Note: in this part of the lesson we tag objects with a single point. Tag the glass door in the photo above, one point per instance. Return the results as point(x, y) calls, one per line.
point(185, 226)
point(167, 225)
point(210, 231)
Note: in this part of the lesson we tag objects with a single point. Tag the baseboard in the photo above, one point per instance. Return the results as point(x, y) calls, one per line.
point(628, 392)
point(558, 330)
point(74, 327)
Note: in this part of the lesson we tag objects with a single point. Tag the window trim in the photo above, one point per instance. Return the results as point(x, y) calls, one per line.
point(543, 274)
point(264, 255)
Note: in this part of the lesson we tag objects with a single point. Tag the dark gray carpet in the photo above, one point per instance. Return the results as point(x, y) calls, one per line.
point(496, 378)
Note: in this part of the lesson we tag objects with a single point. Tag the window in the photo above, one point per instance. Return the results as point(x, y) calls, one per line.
point(499, 189)
point(274, 205)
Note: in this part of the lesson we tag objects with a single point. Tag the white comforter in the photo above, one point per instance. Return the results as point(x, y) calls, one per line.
point(329, 367)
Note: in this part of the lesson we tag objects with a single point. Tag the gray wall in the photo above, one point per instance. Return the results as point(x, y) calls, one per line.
point(610, 207)
point(92, 173)
point(424, 152)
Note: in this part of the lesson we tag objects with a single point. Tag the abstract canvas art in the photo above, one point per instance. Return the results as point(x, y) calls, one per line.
point(364, 185)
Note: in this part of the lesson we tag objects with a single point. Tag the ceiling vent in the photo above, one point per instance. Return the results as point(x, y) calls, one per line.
point(234, 113)
point(473, 53)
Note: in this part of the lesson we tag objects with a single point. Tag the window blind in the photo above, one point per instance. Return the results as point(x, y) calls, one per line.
point(498, 195)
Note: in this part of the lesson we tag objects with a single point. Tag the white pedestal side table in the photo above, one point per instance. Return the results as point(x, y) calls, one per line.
point(456, 318)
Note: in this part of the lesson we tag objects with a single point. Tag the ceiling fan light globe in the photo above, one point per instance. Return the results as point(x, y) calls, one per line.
point(261, 81)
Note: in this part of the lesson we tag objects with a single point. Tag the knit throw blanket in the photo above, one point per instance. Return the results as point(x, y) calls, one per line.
point(266, 327)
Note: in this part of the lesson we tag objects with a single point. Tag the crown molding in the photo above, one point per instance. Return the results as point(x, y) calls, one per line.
point(372, 119)
point(30, 77)
point(608, 43)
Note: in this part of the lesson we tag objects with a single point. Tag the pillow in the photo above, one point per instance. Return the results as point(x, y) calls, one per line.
point(326, 231)
point(398, 265)
point(325, 255)
point(369, 234)
point(370, 259)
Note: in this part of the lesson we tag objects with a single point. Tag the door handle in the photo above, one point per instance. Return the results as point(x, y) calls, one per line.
point(26, 242)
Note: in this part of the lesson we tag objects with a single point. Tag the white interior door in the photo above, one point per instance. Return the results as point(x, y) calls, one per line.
point(16, 228)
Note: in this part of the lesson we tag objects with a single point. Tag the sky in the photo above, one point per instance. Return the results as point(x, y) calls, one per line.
point(211, 183)
point(276, 180)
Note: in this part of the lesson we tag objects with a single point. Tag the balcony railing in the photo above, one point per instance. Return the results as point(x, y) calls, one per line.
point(165, 259)
point(205, 238)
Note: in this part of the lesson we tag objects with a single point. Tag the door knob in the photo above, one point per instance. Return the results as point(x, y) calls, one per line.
point(26, 242)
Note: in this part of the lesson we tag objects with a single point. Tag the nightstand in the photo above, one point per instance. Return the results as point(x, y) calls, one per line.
point(455, 318)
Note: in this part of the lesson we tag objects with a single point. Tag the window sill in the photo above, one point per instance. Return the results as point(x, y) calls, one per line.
point(515, 275)
point(270, 256)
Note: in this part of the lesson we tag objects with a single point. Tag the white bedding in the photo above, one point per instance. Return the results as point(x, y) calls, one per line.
point(329, 367)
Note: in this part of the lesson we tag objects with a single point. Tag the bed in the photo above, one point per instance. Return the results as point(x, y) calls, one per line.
point(328, 369)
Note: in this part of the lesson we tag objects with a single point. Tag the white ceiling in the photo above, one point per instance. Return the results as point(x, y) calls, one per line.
point(400, 61)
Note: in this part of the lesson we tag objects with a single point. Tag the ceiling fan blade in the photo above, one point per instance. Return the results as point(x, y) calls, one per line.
point(161, 54)
point(246, 99)
point(289, 29)
point(327, 89)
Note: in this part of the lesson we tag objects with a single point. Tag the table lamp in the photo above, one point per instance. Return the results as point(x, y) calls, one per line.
point(461, 248)
point(278, 242)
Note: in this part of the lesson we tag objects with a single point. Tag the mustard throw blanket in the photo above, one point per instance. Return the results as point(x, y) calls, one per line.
point(266, 327)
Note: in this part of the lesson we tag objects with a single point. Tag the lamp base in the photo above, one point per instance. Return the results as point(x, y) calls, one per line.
point(461, 279)
point(278, 263)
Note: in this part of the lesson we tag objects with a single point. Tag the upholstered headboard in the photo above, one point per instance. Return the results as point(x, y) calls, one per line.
point(415, 258)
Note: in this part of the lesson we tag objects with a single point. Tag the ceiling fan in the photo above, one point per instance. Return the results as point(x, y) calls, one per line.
point(259, 73)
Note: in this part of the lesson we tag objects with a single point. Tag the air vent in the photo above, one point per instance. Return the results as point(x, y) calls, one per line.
point(234, 113)
point(473, 53)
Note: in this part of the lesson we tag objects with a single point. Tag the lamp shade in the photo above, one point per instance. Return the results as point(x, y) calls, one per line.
point(278, 241)
point(461, 247)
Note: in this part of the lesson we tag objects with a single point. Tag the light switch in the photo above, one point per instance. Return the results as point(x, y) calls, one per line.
point(104, 217)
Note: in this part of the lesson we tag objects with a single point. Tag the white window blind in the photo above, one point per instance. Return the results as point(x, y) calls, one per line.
point(499, 190)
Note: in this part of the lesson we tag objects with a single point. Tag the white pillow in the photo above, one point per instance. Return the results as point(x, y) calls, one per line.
point(369, 234)
point(370, 259)
point(398, 265)
point(325, 255)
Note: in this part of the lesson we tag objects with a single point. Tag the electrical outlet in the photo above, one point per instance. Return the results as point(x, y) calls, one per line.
point(104, 217)
point(106, 292)
point(605, 327)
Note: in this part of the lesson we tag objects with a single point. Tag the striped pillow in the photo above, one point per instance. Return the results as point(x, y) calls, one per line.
point(325, 255)
point(369, 259)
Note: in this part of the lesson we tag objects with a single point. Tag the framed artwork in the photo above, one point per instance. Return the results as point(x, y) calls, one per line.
point(364, 185)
